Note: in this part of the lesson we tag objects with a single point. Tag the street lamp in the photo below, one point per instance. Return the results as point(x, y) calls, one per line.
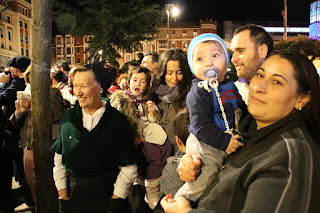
point(175, 11)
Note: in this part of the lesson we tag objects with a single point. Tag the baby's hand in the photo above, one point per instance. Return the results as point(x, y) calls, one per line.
point(234, 144)
point(152, 107)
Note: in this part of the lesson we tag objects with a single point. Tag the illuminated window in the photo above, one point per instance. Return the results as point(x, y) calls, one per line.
point(195, 33)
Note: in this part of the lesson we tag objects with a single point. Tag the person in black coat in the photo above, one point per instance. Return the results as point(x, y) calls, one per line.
point(10, 141)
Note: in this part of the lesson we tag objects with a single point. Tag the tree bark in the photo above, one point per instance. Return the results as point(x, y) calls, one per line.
point(45, 192)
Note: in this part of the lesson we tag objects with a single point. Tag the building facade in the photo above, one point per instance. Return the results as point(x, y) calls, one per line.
point(15, 29)
point(72, 49)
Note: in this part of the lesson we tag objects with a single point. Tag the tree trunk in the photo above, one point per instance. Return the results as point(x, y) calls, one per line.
point(45, 192)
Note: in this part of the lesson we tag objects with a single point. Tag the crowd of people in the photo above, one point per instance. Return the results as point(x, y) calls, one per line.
point(174, 133)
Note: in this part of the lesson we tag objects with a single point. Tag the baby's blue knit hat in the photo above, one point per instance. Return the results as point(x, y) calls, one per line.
point(205, 37)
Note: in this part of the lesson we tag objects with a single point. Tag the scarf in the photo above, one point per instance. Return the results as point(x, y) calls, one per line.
point(166, 94)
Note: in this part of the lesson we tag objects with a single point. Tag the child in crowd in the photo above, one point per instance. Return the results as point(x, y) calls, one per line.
point(155, 147)
point(170, 180)
point(214, 104)
point(122, 81)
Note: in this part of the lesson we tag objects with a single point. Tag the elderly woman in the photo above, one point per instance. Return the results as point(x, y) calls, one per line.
point(170, 88)
point(95, 159)
point(278, 169)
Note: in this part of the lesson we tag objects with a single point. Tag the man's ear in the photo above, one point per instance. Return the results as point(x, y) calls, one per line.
point(303, 100)
point(263, 51)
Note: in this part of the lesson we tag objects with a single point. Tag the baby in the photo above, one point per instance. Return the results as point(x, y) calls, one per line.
point(213, 102)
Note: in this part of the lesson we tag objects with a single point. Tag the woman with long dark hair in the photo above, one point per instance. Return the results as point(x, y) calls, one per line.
point(170, 87)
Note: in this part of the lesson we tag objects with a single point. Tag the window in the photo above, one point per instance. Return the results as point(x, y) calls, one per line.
point(2, 45)
point(21, 37)
point(173, 33)
point(78, 60)
point(184, 34)
point(184, 44)
point(59, 51)
point(22, 51)
point(78, 50)
point(58, 40)
point(10, 48)
point(27, 39)
point(9, 19)
point(27, 52)
point(26, 25)
point(68, 40)
point(195, 33)
point(173, 44)
point(9, 35)
point(4, 3)
point(1, 32)
point(68, 50)
point(69, 60)
point(21, 24)
point(163, 44)
point(26, 13)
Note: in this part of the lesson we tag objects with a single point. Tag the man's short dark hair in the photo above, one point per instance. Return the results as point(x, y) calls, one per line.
point(140, 56)
point(181, 123)
point(258, 35)
point(154, 56)
point(63, 64)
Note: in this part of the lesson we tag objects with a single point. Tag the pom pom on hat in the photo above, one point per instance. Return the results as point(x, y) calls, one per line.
point(206, 37)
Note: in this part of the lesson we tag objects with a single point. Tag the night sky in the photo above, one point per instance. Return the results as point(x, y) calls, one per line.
point(242, 10)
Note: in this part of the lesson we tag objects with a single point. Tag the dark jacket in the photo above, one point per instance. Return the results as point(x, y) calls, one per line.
point(206, 119)
point(103, 149)
point(278, 170)
point(9, 95)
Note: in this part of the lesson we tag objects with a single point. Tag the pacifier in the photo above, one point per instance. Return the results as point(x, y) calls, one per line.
point(211, 74)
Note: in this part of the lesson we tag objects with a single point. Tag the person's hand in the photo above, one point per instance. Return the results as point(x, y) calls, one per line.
point(4, 78)
point(19, 109)
point(63, 194)
point(26, 103)
point(178, 205)
point(152, 107)
point(189, 167)
point(115, 197)
point(234, 144)
point(137, 141)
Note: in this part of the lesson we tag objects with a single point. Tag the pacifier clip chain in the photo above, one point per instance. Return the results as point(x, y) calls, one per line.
point(206, 84)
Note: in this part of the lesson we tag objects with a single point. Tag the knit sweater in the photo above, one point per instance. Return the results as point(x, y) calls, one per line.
point(278, 170)
point(103, 149)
